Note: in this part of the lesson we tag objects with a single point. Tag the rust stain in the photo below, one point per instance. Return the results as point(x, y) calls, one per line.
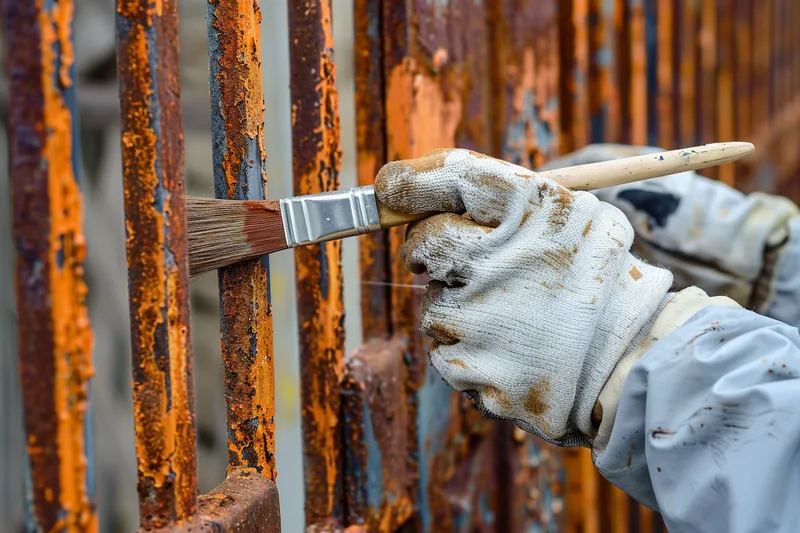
point(587, 229)
point(560, 258)
point(635, 273)
point(562, 198)
point(55, 337)
point(458, 362)
point(497, 395)
point(240, 174)
point(665, 36)
point(638, 73)
point(316, 162)
point(157, 264)
point(534, 401)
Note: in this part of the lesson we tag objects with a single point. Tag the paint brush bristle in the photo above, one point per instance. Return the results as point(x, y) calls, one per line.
point(223, 232)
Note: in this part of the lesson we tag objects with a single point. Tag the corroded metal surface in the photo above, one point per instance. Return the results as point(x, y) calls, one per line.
point(237, 111)
point(55, 338)
point(370, 151)
point(526, 59)
point(158, 274)
point(379, 481)
point(316, 162)
point(246, 502)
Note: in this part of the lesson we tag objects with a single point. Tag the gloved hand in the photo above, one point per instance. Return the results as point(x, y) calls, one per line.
point(708, 234)
point(535, 300)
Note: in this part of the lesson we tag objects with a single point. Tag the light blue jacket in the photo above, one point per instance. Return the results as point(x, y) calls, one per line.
point(708, 427)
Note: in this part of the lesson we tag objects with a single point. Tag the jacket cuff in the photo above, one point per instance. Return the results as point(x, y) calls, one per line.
point(676, 309)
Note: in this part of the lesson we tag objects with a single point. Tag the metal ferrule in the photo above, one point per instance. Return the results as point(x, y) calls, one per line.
point(329, 215)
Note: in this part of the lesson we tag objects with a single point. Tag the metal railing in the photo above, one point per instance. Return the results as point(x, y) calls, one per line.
point(387, 446)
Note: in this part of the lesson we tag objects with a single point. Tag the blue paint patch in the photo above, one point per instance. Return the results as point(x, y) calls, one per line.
point(323, 271)
point(603, 57)
point(31, 524)
point(60, 252)
point(374, 471)
point(486, 508)
point(529, 121)
point(219, 149)
point(433, 418)
point(651, 43)
point(88, 439)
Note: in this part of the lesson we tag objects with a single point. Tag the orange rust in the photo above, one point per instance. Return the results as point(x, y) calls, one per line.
point(666, 93)
point(635, 273)
point(687, 84)
point(497, 395)
point(316, 163)
point(725, 86)
point(55, 337)
point(162, 360)
point(534, 401)
point(638, 74)
point(246, 321)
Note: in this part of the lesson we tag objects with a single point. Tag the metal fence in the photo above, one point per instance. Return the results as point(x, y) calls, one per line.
point(387, 446)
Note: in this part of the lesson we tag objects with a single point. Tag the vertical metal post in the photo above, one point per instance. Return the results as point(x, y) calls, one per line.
point(370, 137)
point(237, 120)
point(54, 335)
point(665, 74)
point(316, 162)
point(726, 112)
point(158, 274)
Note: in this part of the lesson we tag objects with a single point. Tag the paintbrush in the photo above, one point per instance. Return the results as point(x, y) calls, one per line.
point(223, 232)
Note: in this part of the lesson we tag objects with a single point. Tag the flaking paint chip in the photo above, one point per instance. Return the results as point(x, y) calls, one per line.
point(635, 273)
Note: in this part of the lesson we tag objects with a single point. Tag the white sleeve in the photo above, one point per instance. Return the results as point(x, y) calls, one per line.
point(707, 431)
point(784, 301)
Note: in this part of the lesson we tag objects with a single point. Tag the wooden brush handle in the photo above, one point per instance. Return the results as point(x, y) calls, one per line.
point(616, 172)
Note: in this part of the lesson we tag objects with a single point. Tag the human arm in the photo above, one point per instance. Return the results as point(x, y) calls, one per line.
point(539, 311)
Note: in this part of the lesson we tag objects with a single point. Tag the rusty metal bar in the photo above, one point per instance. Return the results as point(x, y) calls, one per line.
point(574, 45)
point(605, 20)
point(316, 162)
point(637, 45)
point(237, 127)
point(54, 334)
point(725, 111)
point(687, 79)
point(158, 274)
point(665, 75)
point(370, 148)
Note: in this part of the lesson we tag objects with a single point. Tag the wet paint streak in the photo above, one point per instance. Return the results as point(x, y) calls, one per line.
point(55, 337)
point(378, 479)
point(158, 275)
point(370, 152)
point(316, 163)
point(237, 119)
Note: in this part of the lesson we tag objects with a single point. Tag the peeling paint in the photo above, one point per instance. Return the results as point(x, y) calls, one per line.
point(152, 154)
point(316, 163)
point(237, 120)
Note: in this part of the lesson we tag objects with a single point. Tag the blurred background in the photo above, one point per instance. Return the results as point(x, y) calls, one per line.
point(106, 272)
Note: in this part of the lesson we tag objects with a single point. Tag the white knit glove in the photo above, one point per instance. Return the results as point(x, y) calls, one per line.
point(708, 234)
point(534, 300)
